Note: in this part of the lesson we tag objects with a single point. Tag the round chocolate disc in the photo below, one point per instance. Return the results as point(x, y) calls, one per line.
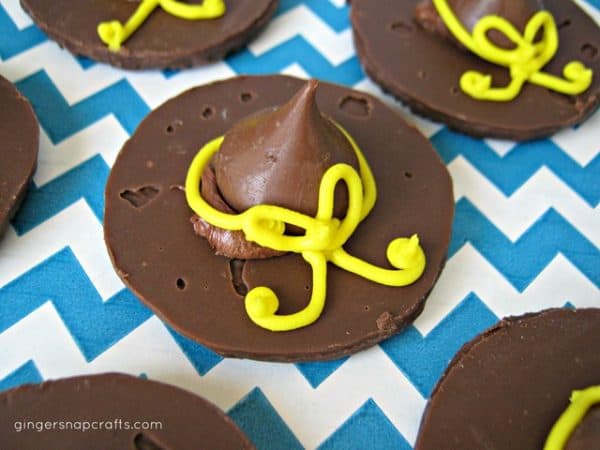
point(19, 142)
point(112, 411)
point(424, 69)
point(155, 251)
point(506, 388)
point(162, 41)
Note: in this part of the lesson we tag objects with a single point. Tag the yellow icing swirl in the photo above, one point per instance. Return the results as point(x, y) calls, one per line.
point(322, 241)
point(525, 61)
point(581, 401)
point(114, 33)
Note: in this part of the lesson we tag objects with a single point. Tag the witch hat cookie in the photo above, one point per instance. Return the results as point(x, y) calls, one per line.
point(328, 288)
point(112, 411)
point(151, 33)
point(19, 142)
point(529, 382)
point(293, 163)
point(519, 69)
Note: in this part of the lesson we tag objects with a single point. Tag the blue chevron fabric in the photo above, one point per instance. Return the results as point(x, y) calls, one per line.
point(526, 237)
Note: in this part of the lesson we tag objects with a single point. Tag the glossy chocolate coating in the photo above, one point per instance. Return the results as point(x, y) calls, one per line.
point(506, 388)
point(109, 405)
point(278, 157)
point(19, 142)
point(469, 12)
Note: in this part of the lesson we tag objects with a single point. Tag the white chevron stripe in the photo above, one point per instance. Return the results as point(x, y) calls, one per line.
point(41, 336)
point(16, 13)
point(76, 227)
point(295, 70)
point(104, 137)
point(581, 143)
point(301, 21)
point(515, 214)
point(313, 414)
point(155, 89)
point(76, 84)
point(467, 271)
point(73, 82)
point(593, 12)
point(370, 374)
point(501, 147)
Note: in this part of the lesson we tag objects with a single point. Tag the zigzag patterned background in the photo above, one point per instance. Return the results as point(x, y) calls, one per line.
point(526, 237)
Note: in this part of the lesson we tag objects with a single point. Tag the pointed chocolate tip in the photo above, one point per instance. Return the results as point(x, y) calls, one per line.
point(308, 89)
point(310, 85)
point(303, 103)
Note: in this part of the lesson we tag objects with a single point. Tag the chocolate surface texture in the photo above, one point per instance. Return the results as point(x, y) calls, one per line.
point(423, 68)
point(176, 273)
point(186, 421)
point(506, 388)
point(163, 41)
point(19, 142)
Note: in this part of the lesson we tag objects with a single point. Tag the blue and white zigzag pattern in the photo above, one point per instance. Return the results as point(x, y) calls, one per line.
point(526, 237)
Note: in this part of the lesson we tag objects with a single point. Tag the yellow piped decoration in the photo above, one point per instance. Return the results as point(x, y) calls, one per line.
point(321, 243)
point(114, 33)
point(581, 402)
point(525, 61)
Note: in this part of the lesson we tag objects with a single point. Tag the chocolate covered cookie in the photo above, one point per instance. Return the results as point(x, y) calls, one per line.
point(19, 142)
point(112, 411)
point(205, 296)
point(151, 34)
point(408, 49)
point(507, 387)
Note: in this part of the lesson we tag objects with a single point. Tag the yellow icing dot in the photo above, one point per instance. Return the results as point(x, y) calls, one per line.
point(581, 401)
point(114, 33)
point(525, 61)
point(322, 241)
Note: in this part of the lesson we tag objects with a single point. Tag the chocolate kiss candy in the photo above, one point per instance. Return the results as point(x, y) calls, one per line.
point(278, 157)
point(469, 12)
